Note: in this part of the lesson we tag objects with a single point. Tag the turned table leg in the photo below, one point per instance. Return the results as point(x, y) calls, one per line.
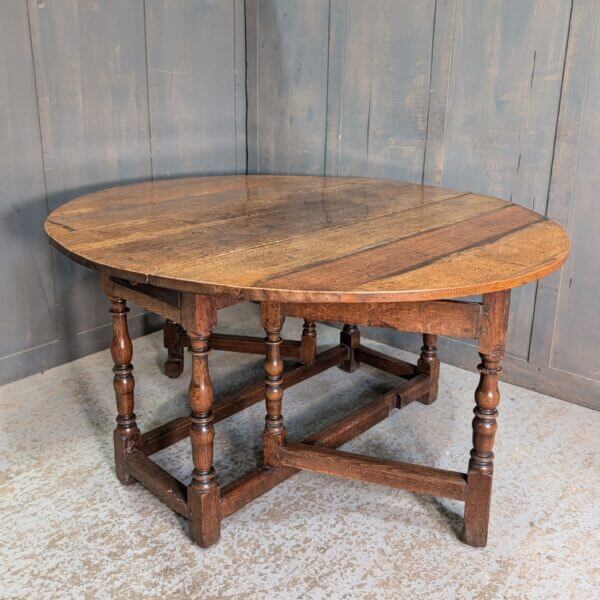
point(274, 434)
point(308, 342)
point(203, 491)
point(350, 337)
point(429, 364)
point(126, 435)
point(172, 342)
point(487, 396)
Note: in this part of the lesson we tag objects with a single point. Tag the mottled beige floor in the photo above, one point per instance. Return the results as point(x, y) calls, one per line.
point(69, 530)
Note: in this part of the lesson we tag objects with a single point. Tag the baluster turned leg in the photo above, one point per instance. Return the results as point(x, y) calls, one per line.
point(203, 491)
point(126, 435)
point(487, 397)
point(350, 337)
point(429, 364)
point(172, 342)
point(308, 342)
point(274, 434)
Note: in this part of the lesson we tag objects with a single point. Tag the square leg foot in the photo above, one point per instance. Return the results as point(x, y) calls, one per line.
point(477, 509)
point(204, 518)
point(124, 444)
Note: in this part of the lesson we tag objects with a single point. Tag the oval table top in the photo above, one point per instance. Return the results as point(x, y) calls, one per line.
point(308, 239)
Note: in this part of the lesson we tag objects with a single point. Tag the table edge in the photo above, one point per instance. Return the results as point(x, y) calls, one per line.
point(316, 296)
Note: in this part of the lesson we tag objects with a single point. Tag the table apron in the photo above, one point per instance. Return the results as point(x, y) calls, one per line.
point(442, 317)
point(162, 301)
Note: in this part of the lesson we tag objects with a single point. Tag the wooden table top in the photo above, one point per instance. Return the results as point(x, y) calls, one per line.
point(304, 239)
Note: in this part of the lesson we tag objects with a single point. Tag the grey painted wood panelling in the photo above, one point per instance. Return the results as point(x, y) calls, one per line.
point(576, 339)
point(195, 57)
point(27, 291)
point(287, 85)
point(439, 87)
point(91, 78)
point(379, 75)
point(565, 172)
point(502, 105)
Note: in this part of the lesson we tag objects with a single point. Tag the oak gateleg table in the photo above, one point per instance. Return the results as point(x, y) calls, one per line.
point(349, 250)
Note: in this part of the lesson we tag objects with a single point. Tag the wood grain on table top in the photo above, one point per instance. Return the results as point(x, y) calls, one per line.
point(302, 239)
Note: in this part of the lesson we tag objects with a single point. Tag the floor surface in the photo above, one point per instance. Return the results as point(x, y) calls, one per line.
point(70, 530)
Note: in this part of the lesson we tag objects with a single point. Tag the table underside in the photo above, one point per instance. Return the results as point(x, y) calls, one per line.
point(190, 320)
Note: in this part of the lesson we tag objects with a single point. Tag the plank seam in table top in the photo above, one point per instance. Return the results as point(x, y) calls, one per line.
point(282, 239)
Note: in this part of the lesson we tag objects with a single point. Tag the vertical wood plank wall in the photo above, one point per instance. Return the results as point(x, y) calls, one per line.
point(498, 97)
point(95, 93)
